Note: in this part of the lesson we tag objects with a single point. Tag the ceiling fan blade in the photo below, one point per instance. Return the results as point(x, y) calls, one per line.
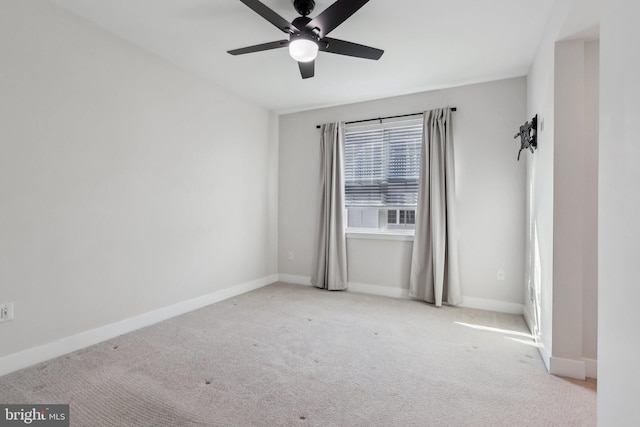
point(259, 47)
point(270, 15)
point(342, 47)
point(335, 15)
point(307, 69)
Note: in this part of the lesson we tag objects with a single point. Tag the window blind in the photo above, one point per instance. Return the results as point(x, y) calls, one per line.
point(382, 165)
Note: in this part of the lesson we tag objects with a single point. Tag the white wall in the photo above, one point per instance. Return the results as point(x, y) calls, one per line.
point(569, 136)
point(490, 190)
point(539, 186)
point(575, 207)
point(126, 184)
point(619, 204)
point(562, 196)
point(590, 202)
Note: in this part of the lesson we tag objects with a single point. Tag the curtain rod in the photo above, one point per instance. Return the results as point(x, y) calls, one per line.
point(384, 118)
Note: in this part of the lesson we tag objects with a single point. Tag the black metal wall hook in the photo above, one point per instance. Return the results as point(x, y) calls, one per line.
point(528, 135)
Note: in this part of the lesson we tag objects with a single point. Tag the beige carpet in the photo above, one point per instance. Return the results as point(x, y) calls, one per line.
point(288, 355)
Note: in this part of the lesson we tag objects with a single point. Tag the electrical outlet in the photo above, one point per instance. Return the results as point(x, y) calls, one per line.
point(500, 274)
point(290, 255)
point(6, 312)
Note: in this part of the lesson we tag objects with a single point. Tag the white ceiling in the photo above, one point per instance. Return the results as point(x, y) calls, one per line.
point(428, 44)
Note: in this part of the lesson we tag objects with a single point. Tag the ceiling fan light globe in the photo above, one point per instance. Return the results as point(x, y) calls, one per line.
point(303, 50)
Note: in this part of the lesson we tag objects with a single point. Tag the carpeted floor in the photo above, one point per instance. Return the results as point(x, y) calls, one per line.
point(288, 355)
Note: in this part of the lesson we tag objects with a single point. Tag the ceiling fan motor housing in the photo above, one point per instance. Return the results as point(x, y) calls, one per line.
point(301, 23)
point(304, 7)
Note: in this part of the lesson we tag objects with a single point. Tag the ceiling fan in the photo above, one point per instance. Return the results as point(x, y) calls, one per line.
point(308, 36)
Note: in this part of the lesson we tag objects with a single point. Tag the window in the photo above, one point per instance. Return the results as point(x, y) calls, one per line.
point(382, 168)
point(401, 218)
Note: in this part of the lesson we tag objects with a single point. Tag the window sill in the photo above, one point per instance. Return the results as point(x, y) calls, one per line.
point(380, 235)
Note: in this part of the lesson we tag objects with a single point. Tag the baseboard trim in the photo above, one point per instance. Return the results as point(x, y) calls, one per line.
point(492, 305)
point(361, 288)
point(567, 368)
point(591, 368)
point(544, 354)
point(393, 292)
point(29, 357)
point(528, 319)
point(295, 279)
point(384, 291)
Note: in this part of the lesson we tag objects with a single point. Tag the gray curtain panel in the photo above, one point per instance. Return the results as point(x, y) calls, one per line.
point(434, 262)
point(330, 261)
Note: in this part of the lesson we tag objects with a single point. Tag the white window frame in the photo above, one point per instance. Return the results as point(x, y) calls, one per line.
point(384, 230)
